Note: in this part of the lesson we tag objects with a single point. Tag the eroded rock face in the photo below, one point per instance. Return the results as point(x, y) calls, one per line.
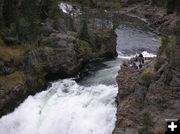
point(156, 16)
point(38, 44)
point(59, 55)
point(159, 100)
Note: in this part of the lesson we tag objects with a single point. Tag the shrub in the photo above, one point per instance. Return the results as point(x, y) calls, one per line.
point(159, 3)
point(147, 122)
point(159, 62)
point(146, 78)
point(178, 33)
point(39, 67)
point(1, 42)
point(28, 31)
point(83, 48)
point(8, 54)
point(103, 50)
point(12, 80)
point(1, 91)
point(164, 44)
point(171, 5)
point(83, 32)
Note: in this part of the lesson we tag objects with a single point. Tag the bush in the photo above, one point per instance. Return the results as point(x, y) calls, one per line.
point(53, 10)
point(178, 28)
point(1, 42)
point(9, 54)
point(164, 44)
point(83, 48)
point(178, 33)
point(146, 78)
point(160, 3)
point(28, 31)
point(1, 91)
point(39, 67)
point(103, 50)
point(12, 80)
point(147, 122)
point(83, 32)
point(171, 6)
point(159, 62)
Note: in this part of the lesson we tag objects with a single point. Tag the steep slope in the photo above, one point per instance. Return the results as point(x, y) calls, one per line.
point(150, 95)
point(40, 43)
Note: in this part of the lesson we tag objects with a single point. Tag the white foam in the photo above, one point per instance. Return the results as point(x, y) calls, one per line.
point(65, 7)
point(122, 56)
point(68, 9)
point(144, 53)
point(66, 108)
point(148, 55)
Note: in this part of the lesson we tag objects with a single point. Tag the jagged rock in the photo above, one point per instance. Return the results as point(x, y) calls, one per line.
point(58, 55)
point(43, 49)
point(156, 17)
point(160, 99)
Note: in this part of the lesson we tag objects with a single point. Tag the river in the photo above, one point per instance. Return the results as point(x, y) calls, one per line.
point(85, 107)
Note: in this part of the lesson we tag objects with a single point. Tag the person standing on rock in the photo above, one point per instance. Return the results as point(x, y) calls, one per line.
point(141, 59)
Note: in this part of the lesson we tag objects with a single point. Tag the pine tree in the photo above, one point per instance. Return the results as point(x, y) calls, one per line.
point(83, 32)
point(147, 122)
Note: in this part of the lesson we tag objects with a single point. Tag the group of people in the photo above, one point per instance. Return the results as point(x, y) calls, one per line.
point(140, 59)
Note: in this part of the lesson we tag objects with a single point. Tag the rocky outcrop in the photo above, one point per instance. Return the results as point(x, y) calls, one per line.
point(156, 16)
point(146, 95)
point(26, 70)
point(38, 43)
point(150, 95)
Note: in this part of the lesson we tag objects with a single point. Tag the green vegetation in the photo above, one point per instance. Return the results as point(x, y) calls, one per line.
point(58, 50)
point(9, 35)
point(83, 48)
point(73, 34)
point(146, 78)
point(177, 33)
point(130, 82)
point(1, 91)
point(12, 80)
point(171, 5)
point(164, 52)
point(168, 51)
point(83, 33)
point(1, 42)
point(147, 123)
point(178, 28)
point(8, 54)
point(39, 67)
point(159, 62)
point(164, 44)
point(159, 2)
point(103, 50)
point(23, 22)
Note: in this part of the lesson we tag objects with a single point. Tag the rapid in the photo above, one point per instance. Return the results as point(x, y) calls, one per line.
point(87, 106)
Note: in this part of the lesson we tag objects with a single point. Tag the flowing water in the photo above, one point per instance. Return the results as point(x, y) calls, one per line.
point(86, 107)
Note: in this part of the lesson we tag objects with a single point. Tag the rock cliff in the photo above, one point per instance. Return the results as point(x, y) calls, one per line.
point(150, 95)
point(160, 15)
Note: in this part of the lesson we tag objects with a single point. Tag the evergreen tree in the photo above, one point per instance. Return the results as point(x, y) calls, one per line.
point(83, 32)
point(147, 122)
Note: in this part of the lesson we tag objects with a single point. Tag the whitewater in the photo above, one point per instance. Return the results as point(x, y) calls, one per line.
point(65, 108)
point(69, 108)
point(85, 107)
